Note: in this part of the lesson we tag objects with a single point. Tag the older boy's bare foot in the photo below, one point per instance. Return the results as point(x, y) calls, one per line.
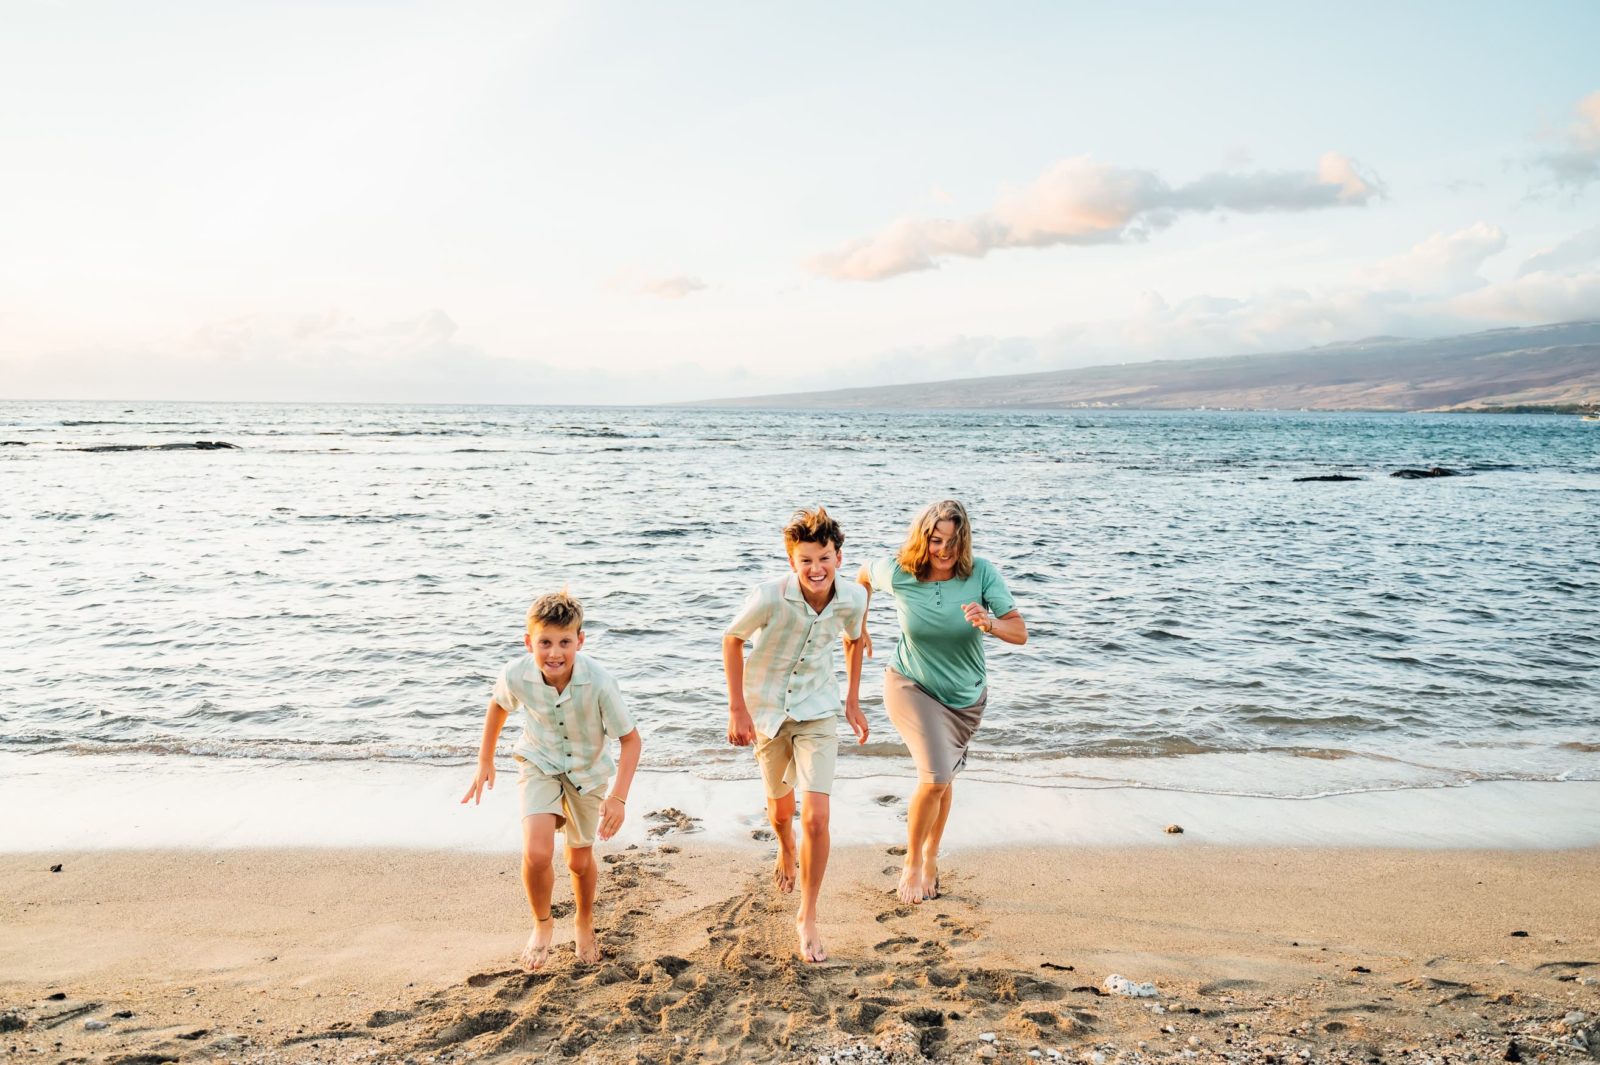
point(585, 944)
point(783, 870)
point(537, 952)
point(910, 889)
point(810, 940)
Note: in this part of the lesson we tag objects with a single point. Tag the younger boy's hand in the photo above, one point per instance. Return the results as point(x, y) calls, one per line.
point(484, 779)
point(741, 730)
point(612, 813)
point(857, 721)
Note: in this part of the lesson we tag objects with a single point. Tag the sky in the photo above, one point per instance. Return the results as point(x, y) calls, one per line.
point(643, 202)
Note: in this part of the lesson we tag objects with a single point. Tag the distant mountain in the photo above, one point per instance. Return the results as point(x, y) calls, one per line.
point(1546, 366)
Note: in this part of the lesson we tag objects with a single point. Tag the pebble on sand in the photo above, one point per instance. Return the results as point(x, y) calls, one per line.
point(56, 868)
point(1174, 830)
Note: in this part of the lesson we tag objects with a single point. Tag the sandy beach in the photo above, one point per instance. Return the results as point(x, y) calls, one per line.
point(1258, 954)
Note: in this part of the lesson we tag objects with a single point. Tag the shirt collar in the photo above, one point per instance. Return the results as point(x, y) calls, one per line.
point(792, 592)
point(581, 674)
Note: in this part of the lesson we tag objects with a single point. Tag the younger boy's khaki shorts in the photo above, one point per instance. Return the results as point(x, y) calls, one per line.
point(577, 812)
point(802, 755)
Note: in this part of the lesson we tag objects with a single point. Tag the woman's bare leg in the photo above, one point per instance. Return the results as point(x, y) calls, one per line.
point(927, 802)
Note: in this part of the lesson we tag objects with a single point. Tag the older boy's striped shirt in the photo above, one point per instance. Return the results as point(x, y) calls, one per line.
point(565, 733)
point(789, 672)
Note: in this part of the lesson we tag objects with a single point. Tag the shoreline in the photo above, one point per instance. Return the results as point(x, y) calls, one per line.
point(212, 804)
point(1289, 953)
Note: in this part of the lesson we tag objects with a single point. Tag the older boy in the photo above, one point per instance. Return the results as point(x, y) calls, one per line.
point(570, 707)
point(786, 697)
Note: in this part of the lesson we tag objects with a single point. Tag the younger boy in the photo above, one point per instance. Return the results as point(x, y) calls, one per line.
point(570, 707)
point(785, 698)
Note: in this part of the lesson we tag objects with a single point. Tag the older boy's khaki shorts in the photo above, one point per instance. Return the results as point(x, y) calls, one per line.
point(577, 812)
point(801, 755)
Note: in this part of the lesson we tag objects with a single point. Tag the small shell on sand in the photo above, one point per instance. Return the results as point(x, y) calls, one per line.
point(1174, 830)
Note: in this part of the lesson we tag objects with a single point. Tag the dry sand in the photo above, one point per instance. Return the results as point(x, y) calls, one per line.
point(1259, 954)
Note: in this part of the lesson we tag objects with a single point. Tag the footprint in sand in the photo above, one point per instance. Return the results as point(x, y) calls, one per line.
point(763, 835)
point(894, 943)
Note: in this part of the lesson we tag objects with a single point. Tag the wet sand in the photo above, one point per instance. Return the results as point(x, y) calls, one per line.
point(1258, 954)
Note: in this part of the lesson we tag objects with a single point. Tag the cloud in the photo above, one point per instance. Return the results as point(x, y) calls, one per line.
point(675, 287)
point(1081, 202)
point(331, 356)
point(1575, 161)
point(1577, 250)
point(1445, 262)
point(1431, 289)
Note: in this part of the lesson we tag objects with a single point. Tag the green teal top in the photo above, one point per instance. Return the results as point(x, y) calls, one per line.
point(939, 648)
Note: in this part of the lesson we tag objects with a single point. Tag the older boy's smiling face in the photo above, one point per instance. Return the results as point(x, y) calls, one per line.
point(815, 565)
point(555, 650)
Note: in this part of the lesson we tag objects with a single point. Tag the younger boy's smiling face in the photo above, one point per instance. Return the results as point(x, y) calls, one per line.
point(815, 565)
point(555, 650)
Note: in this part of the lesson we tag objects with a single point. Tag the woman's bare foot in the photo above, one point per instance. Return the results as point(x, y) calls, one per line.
point(585, 943)
point(910, 889)
point(783, 870)
point(930, 878)
point(811, 948)
point(537, 952)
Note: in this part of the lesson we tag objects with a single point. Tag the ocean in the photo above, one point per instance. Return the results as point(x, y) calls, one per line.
point(345, 584)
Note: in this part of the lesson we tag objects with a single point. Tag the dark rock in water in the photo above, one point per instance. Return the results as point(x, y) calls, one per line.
point(198, 445)
point(1432, 471)
point(1330, 477)
point(13, 443)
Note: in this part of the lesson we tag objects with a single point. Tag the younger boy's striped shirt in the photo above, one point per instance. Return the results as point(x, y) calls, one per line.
point(789, 672)
point(565, 733)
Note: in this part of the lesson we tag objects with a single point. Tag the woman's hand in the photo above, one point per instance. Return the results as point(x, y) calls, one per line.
point(978, 617)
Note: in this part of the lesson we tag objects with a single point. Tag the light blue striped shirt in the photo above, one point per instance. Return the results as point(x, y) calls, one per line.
point(789, 672)
point(565, 733)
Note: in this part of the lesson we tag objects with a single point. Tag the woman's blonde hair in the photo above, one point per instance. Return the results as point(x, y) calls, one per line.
point(914, 556)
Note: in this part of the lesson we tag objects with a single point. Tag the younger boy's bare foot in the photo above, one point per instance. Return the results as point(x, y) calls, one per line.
point(810, 940)
point(783, 870)
point(910, 889)
point(537, 952)
point(586, 944)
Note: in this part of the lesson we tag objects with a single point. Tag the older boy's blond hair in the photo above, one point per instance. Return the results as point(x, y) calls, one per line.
point(812, 527)
point(556, 610)
point(914, 554)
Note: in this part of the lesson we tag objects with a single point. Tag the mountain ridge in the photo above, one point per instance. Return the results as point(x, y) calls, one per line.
point(1554, 366)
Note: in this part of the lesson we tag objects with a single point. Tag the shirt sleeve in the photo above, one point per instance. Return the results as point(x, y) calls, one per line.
point(614, 716)
point(996, 596)
point(753, 615)
point(503, 695)
point(880, 571)
point(853, 615)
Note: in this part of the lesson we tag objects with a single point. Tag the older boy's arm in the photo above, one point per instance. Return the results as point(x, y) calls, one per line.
point(493, 721)
point(741, 730)
point(853, 654)
point(615, 809)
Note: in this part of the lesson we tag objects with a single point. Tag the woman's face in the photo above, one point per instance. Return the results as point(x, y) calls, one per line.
point(942, 548)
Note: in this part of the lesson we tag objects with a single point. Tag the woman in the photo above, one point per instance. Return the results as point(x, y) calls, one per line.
point(936, 687)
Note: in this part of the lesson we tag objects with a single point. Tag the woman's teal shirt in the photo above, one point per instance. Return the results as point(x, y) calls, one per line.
point(939, 648)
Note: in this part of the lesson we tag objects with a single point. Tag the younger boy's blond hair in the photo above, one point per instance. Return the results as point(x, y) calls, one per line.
point(556, 610)
point(812, 527)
